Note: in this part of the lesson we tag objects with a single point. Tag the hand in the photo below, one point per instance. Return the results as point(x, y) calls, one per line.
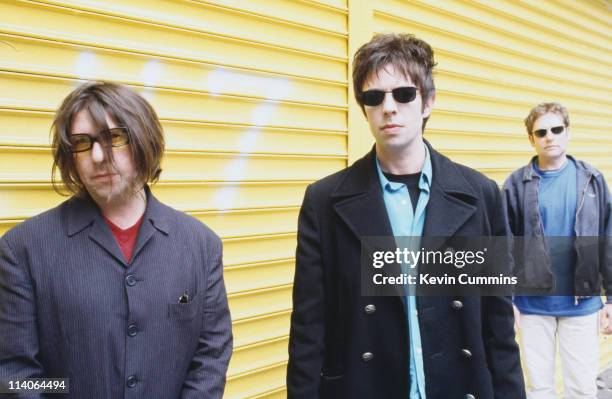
point(605, 319)
point(517, 319)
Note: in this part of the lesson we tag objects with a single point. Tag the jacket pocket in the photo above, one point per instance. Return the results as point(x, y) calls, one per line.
point(332, 386)
point(183, 311)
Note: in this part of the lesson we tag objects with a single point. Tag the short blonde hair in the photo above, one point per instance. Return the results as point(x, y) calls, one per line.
point(545, 108)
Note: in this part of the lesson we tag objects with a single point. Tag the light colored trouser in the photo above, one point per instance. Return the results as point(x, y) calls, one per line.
point(578, 349)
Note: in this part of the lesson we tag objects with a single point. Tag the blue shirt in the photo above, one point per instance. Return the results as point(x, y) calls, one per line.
point(558, 197)
point(406, 222)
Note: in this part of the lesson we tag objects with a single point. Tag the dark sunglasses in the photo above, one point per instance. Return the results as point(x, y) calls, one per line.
point(542, 132)
point(115, 137)
point(402, 95)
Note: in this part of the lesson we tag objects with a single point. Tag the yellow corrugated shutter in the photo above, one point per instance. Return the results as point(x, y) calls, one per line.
point(253, 99)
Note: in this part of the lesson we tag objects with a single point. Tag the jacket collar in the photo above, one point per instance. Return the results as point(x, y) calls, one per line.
point(83, 213)
point(360, 193)
point(582, 167)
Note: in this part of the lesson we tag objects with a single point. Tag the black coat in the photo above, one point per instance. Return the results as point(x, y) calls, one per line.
point(331, 329)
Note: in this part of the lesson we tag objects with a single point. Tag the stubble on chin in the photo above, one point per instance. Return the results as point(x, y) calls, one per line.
point(120, 193)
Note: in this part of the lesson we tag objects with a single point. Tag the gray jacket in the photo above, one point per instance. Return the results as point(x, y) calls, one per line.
point(72, 307)
point(593, 227)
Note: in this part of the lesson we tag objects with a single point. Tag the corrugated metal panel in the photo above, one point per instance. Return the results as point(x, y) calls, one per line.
point(499, 58)
point(253, 99)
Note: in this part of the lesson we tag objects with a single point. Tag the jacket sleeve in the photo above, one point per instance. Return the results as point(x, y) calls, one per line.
point(501, 348)
point(510, 206)
point(18, 330)
point(206, 375)
point(606, 258)
point(306, 339)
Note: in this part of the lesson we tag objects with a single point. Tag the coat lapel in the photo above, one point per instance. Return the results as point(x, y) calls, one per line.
point(83, 212)
point(361, 207)
point(359, 200)
point(360, 204)
point(452, 199)
point(101, 234)
point(154, 219)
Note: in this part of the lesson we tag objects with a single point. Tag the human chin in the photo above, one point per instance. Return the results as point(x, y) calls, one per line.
point(110, 190)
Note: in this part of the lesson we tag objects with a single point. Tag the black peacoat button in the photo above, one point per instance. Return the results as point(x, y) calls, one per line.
point(130, 280)
point(131, 381)
point(369, 309)
point(457, 304)
point(367, 356)
point(132, 330)
point(466, 353)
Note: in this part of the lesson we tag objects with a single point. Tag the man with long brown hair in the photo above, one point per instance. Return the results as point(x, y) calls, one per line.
point(113, 290)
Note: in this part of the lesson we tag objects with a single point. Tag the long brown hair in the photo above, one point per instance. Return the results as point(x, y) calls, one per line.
point(127, 109)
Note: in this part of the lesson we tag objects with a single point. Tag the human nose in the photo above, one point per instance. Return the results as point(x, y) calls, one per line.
point(97, 153)
point(389, 104)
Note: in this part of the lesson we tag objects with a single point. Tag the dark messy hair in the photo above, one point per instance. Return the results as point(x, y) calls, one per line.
point(124, 107)
point(408, 54)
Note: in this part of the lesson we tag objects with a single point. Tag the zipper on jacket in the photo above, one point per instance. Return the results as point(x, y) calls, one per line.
point(584, 190)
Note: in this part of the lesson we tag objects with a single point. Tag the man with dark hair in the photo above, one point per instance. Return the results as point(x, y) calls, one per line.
point(562, 207)
point(345, 345)
point(113, 290)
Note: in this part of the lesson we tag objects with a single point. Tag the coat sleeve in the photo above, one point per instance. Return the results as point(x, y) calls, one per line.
point(206, 375)
point(509, 206)
point(306, 339)
point(606, 256)
point(18, 328)
point(501, 348)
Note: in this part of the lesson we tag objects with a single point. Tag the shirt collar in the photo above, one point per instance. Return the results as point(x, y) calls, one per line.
point(424, 181)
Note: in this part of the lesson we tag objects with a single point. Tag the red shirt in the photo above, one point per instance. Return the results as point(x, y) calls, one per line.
point(126, 238)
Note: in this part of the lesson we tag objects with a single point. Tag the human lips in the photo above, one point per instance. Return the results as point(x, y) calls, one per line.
point(103, 175)
point(391, 127)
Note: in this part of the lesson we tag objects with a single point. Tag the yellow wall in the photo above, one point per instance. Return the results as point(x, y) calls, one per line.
point(256, 103)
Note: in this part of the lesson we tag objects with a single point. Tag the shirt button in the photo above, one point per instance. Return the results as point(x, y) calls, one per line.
point(131, 381)
point(366, 357)
point(130, 280)
point(466, 353)
point(132, 330)
point(404, 202)
point(456, 304)
point(369, 309)
point(419, 351)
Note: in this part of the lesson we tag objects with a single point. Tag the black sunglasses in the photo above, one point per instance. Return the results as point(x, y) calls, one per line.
point(542, 132)
point(402, 95)
point(115, 137)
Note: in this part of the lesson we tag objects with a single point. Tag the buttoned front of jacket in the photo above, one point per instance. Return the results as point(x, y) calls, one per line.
point(117, 329)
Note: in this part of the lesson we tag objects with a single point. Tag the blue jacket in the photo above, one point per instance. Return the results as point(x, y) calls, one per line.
point(593, 227)
point(71, 307)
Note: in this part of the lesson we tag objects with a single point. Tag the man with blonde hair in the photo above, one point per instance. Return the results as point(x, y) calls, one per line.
point(562, 208)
